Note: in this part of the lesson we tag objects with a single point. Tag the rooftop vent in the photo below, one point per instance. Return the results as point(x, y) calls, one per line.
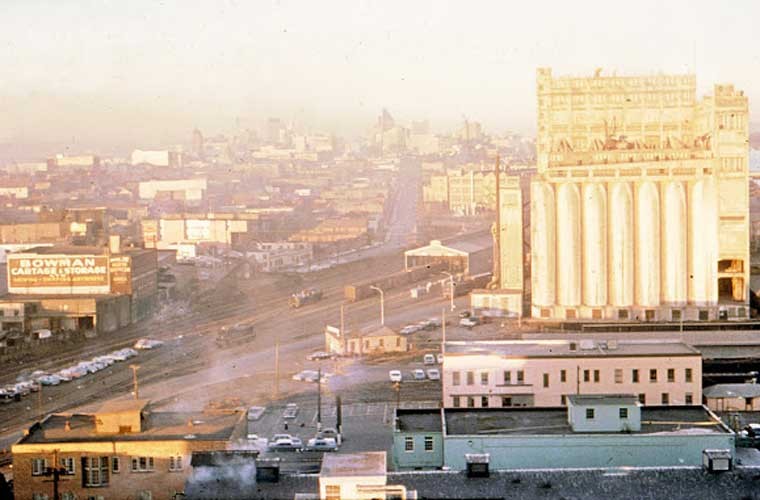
point(587, 344)
point(717, 460)
point(477, 464)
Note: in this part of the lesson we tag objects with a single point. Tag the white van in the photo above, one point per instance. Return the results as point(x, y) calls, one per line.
point(429, 359)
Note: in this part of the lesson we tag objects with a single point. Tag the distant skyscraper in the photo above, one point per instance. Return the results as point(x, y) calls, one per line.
point(197, 144)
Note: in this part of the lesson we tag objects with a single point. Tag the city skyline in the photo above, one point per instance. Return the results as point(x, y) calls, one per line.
point(152, 75)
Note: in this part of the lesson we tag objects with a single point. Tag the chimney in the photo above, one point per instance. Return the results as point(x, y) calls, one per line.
point(114, 243)
point(67, 426)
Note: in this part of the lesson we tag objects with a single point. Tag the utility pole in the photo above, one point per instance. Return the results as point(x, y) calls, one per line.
point(451, 288)
point(382, 304)
point(443, 331)
point(319, 398)
point(277, 367)
point(134, 380)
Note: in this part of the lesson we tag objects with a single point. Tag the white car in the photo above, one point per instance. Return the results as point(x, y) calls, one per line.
point(255, 413)
point(429, 359)
point(418, 374)
point(148, 344)
point(321, 444)
point(50, 380)
point(119, 355)
point(395, 375)
point(434, 374)
point(409, 329)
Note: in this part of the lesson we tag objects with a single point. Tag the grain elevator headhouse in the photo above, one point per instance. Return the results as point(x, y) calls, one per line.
point(639, 209)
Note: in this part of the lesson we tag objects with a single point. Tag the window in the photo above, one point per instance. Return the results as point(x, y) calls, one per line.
point(671, 375)
point(704, 315)
point(38, 466)
point(520, 376)
point(635, 376)
point(653, 375)
point(675, 315)
point(398, 341)
point(68, 464)
point(507, 377)
point(470, 378)
point(142, 464)
point(589, 414)
point(563, 400)
point(428, 443)
point(665, 399)
point(622, 313)
point(381, 342)
point(409, 444)
point(95, 471)
point(688, 375)
point(596, 376)
point(563, 376)
point(67, 495)
point(546, 380)
point(689, 398)
point(470, 402)
point(115, 465)
point(506, 401)
point(483, 378)
point(332, 492)
point(175, 463)
point(484, 401)
point(587, 375)
point(618, 375)
point(366, 345)
point(455, 401)
point(649, 314)
point(455, 378)
point(623, 413)
point(39, 496)
point(643, 399)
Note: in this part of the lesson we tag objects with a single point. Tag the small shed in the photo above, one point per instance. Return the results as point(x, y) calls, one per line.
point(470, 256)
point(733, 397)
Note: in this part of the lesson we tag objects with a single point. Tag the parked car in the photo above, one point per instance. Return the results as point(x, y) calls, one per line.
point(418, 374)
point(465, 314)
point(395, 375)
point(321, 444)
point(119, 355)
point(50, 380)
point(329, 432)
point(434, 374)
point(319, 355)
point(6, 397)
point(255, 413)
point(285, 442)
point(469, 323)
point(429, 359)
point(426, 324)
point(64, 375)
point(291, 411)
point(439, 358)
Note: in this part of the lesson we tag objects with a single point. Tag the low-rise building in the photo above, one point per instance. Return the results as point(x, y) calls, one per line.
point(360, 343)
point(545, 373)
point(733, 397)
point(358, 476)
point(276, 256)
point(471, 257)
point(123, 451)
point(601, 431)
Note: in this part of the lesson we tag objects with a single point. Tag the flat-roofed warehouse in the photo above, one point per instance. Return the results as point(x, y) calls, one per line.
point(471, 256)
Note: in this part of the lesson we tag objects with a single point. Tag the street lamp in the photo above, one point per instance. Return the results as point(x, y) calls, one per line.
point(451, 288)
point(382, 304)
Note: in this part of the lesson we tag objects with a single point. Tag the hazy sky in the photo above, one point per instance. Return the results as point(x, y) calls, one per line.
point(103, 72)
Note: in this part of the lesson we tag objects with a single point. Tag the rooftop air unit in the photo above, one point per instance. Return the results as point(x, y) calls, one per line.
point(477, 464)
point(587, 345)
point(717, 460)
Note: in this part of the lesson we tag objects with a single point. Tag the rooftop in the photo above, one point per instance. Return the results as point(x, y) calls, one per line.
point(568, 348)
point(732, 391)
point(66, 250)
point(673, 484)
point(368, 463)
point(418, 420)
point(542, 421)
point(158, 426)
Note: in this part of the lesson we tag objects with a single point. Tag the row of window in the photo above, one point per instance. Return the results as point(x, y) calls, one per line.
point(95, 470)
point(508, 401)
point(68, 495)
point(591, 413)
point(588, 376)
point(428, 444)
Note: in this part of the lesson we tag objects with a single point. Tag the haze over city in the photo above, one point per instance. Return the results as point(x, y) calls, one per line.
point(109, 75)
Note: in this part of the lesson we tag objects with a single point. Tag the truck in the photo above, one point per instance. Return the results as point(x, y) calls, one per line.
point(305, 297)
point(231, 336)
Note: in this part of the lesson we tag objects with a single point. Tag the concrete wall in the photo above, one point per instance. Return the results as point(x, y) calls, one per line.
point(581, 451)
point(574, 368)
point(419, 458)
